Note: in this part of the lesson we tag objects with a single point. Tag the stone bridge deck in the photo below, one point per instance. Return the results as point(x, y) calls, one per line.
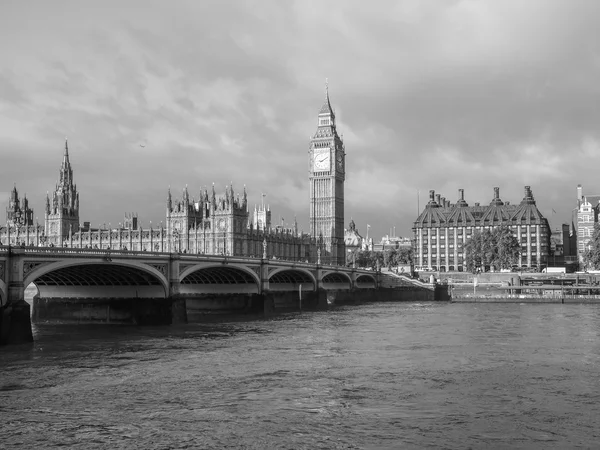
point(153, 287)
point(85, 272)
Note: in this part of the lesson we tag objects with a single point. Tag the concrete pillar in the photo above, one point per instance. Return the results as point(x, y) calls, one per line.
point(264, 276)
point(538, 246)
point(438, 248)
point(420, 246)
point(446, 249)
point(528, 228)
point(15, 316)
point(520, 246)
point(455, 249)
point(174, 276)
point(429, 235)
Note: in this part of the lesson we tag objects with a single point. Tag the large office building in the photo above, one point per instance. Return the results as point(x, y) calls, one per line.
point(443, 228)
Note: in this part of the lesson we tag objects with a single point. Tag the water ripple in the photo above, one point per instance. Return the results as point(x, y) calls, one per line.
point(371, 377)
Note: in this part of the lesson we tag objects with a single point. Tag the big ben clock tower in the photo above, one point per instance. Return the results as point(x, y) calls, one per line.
point(326, 173)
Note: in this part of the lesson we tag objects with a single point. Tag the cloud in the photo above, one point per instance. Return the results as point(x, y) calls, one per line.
point(428, 95)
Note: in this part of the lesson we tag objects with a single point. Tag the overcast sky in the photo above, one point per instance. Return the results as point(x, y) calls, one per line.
point(428, 95)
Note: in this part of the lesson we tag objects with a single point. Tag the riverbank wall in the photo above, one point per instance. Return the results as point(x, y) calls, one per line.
point(197, 308)
point(584, 299)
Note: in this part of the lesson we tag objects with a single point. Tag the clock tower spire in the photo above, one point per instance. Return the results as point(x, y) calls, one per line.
point(326, 176)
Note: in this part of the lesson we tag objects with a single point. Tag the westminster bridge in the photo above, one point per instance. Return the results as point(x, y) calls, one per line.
point(160, 288)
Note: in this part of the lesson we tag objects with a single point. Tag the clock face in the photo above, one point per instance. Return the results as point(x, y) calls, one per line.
point(340, 161)
point(322, 160)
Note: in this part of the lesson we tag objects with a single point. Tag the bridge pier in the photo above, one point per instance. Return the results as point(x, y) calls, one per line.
point(15, 320)
point(15, 323)
point(140, 311)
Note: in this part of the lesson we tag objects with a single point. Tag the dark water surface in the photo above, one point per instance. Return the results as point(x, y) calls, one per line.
point(374, 376)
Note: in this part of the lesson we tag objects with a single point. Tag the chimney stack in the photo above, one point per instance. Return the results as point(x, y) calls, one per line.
point(437, 198)
point(496, 193)
point(431, 195)
point(461, 194)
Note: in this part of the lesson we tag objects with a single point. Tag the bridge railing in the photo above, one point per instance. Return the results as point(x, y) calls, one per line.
point(105, 253)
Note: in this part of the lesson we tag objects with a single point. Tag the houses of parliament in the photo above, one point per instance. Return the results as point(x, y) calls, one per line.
point(209, 224)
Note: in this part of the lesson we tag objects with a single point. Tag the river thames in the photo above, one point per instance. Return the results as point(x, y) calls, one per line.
point(375, 376)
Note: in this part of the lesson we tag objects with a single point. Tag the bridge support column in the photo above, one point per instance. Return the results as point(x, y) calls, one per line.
point(178, 303)
point(264, 276)
point(15, 316)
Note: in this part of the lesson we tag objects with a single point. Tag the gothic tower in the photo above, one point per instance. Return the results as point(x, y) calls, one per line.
point(18, 212)
point(62, 212)
point(326, 173)
point(262, 217)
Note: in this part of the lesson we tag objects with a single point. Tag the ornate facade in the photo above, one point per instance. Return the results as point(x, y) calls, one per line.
point(584, 220)
point(19, 226)
point(62, 212)
point(209, 225)
point(442, 229)
point(18, 212)
point(326, 176)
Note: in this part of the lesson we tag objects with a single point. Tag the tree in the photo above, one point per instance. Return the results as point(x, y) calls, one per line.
point(363, 258)
point(591, 257)
point(404, 255)
point(476, 250)
point(506, 248)
point(499, 249)
point(389, 258)
point(372, 260)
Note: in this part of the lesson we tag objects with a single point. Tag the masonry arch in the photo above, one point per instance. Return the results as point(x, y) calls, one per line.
point(219, 279)
point(365, 281)
point(94, 279)
point(336, 280)
point(3, 294)
point(290, 279)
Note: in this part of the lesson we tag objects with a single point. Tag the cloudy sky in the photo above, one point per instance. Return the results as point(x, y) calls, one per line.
point(428, 94)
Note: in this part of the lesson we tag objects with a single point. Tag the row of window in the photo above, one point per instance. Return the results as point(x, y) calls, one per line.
point(469, 234)
point(460, 258)
point(514, 227)
point(425, 241)
point(523, 244)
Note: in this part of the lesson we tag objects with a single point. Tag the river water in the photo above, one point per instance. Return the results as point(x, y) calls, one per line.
point(375, 376)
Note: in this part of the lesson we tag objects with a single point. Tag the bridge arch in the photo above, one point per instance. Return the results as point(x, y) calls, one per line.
point(3, 293)
point(218, 279)
point(96, 279)
point(365, 281)
point(336, 280)
point(290, 279)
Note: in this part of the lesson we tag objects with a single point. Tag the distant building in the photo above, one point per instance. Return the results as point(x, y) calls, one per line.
point(558, 238)
point(352, 239)
point(392, 242)
point(442, 229)
point(562, 249)
point(584, 218)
